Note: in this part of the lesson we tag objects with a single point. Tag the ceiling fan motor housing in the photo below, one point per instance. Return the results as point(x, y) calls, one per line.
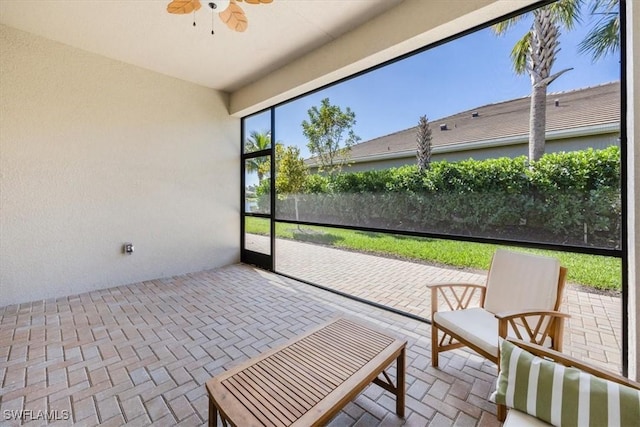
point(219, 5)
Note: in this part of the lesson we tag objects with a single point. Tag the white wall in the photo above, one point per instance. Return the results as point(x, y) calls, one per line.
point(94, 153)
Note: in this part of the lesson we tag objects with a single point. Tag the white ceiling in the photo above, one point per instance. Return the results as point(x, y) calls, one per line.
point(142, 33)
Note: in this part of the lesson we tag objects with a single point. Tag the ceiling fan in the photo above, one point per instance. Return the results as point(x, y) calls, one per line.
point(229, 11)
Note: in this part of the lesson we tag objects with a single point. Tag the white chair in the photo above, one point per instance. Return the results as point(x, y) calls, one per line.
point(521, 299)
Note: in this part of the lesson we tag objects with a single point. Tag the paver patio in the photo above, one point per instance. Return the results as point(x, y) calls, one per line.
point(592, 333)
point(140, 354)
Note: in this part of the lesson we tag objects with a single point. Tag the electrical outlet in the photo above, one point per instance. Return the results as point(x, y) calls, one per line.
point(128, 248)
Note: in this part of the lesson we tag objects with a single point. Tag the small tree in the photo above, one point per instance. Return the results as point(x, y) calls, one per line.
point(329, 131)
point(291, 174)
point(423, 138)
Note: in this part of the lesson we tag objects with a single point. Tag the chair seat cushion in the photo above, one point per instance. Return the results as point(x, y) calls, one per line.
point(476, 326)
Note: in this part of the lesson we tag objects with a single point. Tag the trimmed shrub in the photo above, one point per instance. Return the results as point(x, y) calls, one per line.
point(567, 198)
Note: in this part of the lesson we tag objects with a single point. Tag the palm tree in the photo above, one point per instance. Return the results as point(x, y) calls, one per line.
point(258, 141)
point(604, 38)
point(535, 54)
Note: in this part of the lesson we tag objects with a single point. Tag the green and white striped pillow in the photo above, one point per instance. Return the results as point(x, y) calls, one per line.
point(560, 395)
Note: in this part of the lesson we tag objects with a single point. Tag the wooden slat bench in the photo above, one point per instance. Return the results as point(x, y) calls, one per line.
point(307, 381)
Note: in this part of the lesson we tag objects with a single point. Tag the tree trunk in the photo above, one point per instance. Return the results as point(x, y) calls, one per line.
point(537, 122)
point(542, 54)
point(423, 138)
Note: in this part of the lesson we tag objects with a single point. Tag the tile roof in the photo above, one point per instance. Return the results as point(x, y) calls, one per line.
point(592, 106)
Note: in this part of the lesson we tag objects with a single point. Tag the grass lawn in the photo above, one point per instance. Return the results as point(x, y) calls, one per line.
point(590, 270)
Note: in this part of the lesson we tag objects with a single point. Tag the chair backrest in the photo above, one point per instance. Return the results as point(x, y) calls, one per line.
point(520, 281)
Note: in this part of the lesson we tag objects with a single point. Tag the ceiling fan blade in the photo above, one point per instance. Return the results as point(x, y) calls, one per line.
point(181, 7)
point(234, 17)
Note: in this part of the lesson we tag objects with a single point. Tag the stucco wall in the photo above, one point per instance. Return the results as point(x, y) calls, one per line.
point(94, 153)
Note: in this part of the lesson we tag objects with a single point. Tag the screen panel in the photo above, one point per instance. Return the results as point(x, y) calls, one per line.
point(359, 141)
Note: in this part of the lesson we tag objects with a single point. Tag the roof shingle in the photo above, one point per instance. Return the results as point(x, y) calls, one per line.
point(592, 106)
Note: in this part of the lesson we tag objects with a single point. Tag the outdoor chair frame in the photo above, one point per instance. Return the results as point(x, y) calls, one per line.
point(537, 325)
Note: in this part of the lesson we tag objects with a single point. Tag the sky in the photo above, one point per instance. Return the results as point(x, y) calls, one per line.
point(460, 75)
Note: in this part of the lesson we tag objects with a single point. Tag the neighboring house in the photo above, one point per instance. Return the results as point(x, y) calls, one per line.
point(576, 120)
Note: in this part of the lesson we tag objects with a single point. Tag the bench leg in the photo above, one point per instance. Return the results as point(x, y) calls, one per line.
point(400, 383)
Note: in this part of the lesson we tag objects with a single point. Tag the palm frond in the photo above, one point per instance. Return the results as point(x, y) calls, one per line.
point(519, 53)
point(258, 141)
point(566, 12)
point(603, 39)
point(502, 27)
point(599, 7)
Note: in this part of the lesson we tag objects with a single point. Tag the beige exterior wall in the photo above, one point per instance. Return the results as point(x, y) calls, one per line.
point(95, 153)
point(554, 146)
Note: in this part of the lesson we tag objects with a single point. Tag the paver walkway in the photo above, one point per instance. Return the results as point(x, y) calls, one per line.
point(592, 333)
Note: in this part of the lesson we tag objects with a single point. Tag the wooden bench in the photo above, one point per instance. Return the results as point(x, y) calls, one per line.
point(307, 381)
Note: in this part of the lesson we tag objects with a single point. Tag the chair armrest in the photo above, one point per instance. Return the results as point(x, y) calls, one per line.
point(458, 296)
point(542, 324)
point(507, 315)
point(453, 285)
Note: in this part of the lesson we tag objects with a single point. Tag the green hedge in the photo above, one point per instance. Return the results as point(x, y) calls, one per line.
point(566, 198)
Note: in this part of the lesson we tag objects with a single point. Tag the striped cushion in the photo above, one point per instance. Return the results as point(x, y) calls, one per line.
point(560, 395)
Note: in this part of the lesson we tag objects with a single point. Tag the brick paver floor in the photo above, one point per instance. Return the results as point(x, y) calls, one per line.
point(140, 354)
